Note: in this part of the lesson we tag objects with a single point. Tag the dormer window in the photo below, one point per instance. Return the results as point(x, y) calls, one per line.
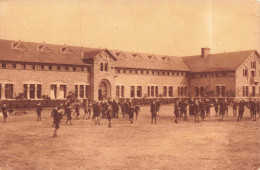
point(43, 47)
point(66, 50)
point(18, 46)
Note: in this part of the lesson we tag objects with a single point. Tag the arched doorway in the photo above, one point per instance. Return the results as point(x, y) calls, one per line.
point(104, 90)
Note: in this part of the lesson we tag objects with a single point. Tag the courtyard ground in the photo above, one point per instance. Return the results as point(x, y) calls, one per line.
point(210, 144)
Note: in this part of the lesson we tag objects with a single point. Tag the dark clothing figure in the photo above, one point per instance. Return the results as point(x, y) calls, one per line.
point(153, 110)
point(183, 109)
point(176, 111)
point(216, 106)
point(57, 116)
point(39, 111)
point(222, 109)
point(96, 113)
point(191, 108)
point(4, 111)
point(241, 110)
point(253, 109)
point(131, 113)
point(68, 113)
point(196, 112)
point(202, 109)
point(109, 115)
point(207, 103)
point(137, 110)
point(115, 108)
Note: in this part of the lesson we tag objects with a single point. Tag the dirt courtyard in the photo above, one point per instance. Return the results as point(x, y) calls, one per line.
point(210, 144)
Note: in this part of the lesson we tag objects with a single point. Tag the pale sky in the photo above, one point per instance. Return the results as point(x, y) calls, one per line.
point(173, 27)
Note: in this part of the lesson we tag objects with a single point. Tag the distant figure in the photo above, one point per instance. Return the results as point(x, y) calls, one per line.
point(4, 111)
point(131, 113)
point(115, 108)
point(216, 106)
point(57, 116)
point(109, 115)
point(39, 111)
point(176, 110)
point(137, 110)
point(68, 113)
point(86, 109)
point(207, 103)
point(202, 108)
point(191, 107)
point(196, 110)
point(222, 109)
point(96, 113)
point(183, 109)
point(153, 110)
point(241, 110)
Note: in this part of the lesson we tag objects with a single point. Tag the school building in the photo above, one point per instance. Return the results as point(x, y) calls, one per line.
point(32, 70)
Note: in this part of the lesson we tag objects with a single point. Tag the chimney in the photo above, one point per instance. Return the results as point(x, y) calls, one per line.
point(205, 52)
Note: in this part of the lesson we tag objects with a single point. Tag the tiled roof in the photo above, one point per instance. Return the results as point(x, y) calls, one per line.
point(30, 53)
point(217, 62)
point(175, 63)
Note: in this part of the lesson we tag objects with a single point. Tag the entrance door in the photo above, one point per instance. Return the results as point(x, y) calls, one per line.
point(102, 91)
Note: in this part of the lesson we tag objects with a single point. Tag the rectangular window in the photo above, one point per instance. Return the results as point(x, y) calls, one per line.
point(88, 91)
point(39, 91)
point(136, 71)
point(164, 91)
point(122, 91)
point(148, 91)
point(185, 91)
point(25, 90)
point(147, 72)
point(124, 71)
point(156, 91)
point(50, 67)
point(253, 91)
point(8, 91)
point(106, 66)
point(139, 91)
point(33, 67)
point(58, 68)
point(152, 91)
point(202, 91)
point(32, 91)
point(118, 71)
point(253, 73)
point(81, 91)
point(132, 91)
point(170, 91)
point(245, 91)
point(63, 91)
point(42, 67)
point(24, 66)
point(54, 91)
point(223, 91)
point(117, 91)
point(101, 66)
point(130, 71)
point(74, 69)
point(67, 68)
point(13, 65)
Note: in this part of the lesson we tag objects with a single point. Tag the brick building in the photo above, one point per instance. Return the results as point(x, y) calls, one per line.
point(37, 69)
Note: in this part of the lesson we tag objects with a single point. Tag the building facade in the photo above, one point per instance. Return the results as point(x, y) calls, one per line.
point(34, 70)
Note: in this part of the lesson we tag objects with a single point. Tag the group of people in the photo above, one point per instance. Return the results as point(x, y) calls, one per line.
point(108, 109)
point(201, 108)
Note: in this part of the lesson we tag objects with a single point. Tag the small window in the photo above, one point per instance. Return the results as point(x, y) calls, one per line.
point(177, 73)
point(136, 71)
point(13, 65)
point(168, 73)
point(142, 72)
point(118, 71)
point(67, 68)
point(82, 69)
point(173, 73)
point(50, 67)
point(3, 65)
point(124, 71)
point(58, 68)
point(163, 73)
point(130, 71)
point(158, 73)
point(153, 72)
point(42, 67)
point(106, 67)
point(33, 67)
point(24, 66)
point(101, 66)
point(182, 74)
point(147, 72)
point(74, 68)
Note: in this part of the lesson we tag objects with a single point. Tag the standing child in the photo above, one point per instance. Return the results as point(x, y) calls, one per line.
point(57, 116)
point(39, 111)
point(109, 115)
point(77, 105)
point(4, 111)
point(131, 113)
point(68, 113)
point(137, 110)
